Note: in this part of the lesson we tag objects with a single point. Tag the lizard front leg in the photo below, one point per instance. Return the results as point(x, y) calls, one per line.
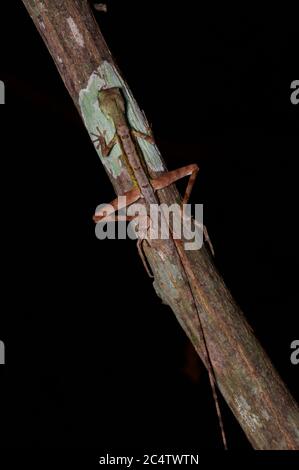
point(101, 142)
point(147, 137)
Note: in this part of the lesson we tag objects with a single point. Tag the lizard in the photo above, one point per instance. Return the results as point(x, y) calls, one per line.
point(113, 105)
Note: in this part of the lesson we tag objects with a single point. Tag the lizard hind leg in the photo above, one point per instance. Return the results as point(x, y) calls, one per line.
point(171, 177)
point(143, 230)
point(107, 213)
point(118, 203)
point(143, 258)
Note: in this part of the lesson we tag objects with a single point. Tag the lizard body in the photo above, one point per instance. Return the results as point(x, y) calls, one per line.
point(113, 106)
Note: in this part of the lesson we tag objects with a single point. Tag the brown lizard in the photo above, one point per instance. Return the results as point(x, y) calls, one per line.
point(112, 104)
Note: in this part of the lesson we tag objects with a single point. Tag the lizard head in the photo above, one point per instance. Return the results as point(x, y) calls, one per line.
point(111, 102)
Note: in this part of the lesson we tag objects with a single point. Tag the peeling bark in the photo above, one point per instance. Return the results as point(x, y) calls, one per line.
point(252, 388)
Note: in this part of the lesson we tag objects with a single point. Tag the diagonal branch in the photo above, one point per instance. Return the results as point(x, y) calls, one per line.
point(249, 383)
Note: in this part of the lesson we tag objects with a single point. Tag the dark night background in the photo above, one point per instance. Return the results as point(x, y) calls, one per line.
point(93, 357)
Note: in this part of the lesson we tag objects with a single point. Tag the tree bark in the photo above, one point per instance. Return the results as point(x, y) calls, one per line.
point(248, 381)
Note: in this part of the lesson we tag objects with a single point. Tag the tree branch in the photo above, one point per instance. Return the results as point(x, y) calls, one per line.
point(250, 385)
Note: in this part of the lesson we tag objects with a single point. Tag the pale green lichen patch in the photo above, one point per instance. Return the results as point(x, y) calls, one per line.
point(106, 76)
point(171, 275)
point(135, 117)
point(93, 118)
point(294, 424)
point(42, 6)
point(75, 32)
point(248, 417)
point(37, 7)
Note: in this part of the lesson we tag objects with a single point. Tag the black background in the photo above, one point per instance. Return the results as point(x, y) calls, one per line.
point(93, 358)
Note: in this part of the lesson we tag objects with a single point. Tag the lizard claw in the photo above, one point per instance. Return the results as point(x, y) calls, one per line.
point(100, 141)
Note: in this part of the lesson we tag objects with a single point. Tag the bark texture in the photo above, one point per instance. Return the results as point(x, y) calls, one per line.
point(250, 385)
